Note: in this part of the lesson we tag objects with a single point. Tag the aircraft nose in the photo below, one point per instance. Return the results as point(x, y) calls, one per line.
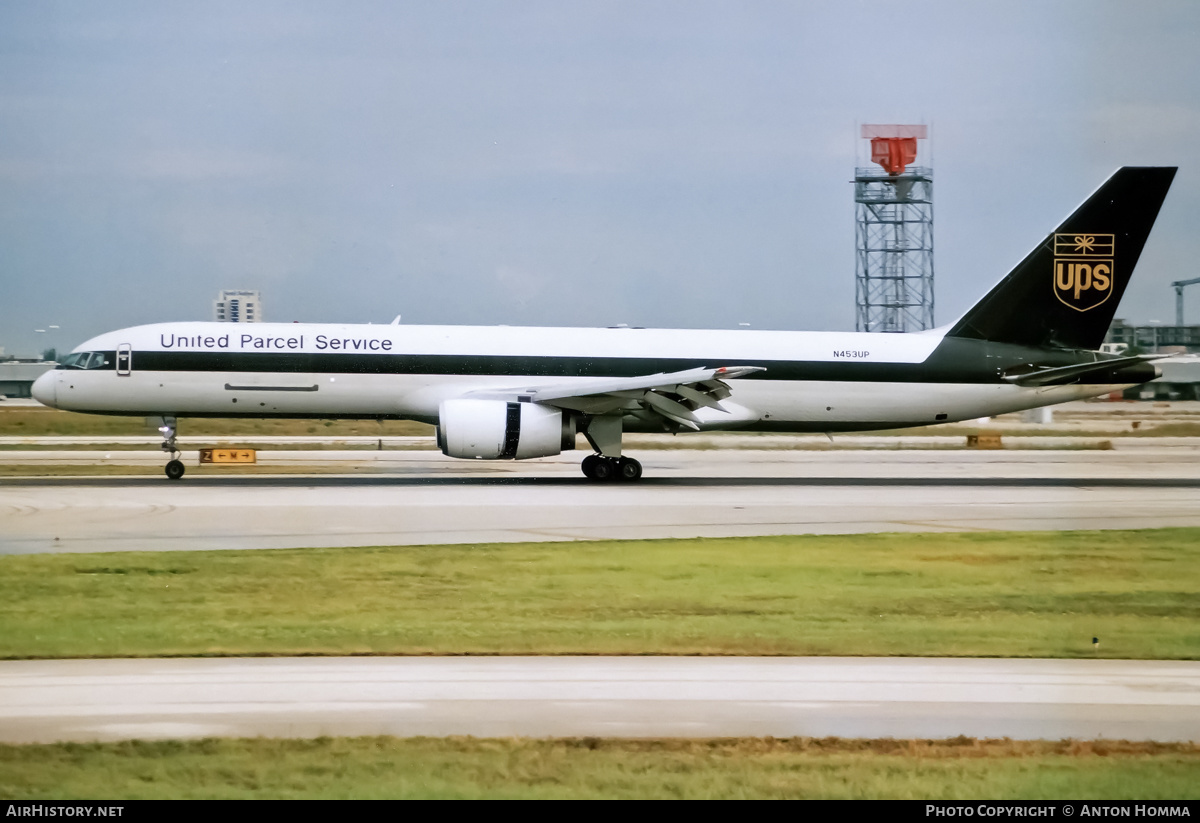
point(44, 389)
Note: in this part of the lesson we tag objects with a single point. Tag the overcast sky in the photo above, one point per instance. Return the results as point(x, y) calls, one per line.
point(559, 163)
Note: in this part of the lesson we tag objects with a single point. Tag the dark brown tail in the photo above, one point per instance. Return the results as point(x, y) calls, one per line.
point(1065, 293)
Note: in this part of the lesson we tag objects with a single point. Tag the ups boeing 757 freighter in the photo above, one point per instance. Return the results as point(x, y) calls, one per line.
point(500, 393)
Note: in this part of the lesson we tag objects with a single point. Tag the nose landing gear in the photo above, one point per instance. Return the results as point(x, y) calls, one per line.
point(174, 467)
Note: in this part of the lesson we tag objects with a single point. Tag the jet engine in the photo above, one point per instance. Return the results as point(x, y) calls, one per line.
point(498, 430)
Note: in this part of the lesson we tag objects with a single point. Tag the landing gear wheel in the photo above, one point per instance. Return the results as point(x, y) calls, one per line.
point(589, 465)
point(604, 469)
point(599, 467)
point(175, 470)
point(629, 469)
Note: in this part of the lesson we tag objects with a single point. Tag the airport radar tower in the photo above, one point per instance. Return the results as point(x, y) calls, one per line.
point(894, 234)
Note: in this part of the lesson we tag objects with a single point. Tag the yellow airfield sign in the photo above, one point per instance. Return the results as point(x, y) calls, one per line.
point(228, 456)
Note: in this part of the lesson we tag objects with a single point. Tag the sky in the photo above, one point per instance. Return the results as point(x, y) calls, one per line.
point(668, 163)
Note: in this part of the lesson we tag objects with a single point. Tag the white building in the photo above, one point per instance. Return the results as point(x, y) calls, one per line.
point(17, 376)
point(238, 307)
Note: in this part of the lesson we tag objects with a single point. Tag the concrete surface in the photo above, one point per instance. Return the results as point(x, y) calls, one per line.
point(413, 498)
point(82, 700)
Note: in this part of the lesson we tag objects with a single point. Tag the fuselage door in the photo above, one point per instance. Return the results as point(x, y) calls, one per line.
point(124, 359)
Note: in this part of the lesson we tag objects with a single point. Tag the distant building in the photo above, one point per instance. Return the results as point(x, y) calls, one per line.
point(17, 376)
point(1152, 337)
point(238, 307)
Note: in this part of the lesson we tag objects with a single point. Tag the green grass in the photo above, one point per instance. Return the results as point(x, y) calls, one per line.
point(209, 470)
point(33, 421)
point(974, 594)
point(1180, 429)
point(247, 442)
point(340, 768)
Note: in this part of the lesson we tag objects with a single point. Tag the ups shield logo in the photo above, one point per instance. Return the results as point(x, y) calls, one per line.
point(1083, 269)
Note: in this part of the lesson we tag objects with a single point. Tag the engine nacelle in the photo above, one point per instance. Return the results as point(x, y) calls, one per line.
point(496, 430)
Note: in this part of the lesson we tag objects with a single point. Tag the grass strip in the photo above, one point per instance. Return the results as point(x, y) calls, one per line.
point(968, 594)
point(193, 471)
point(34, 421)
point(424, 444)
point(380, 767)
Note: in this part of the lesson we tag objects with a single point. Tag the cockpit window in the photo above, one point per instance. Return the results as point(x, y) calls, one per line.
point(89, 360)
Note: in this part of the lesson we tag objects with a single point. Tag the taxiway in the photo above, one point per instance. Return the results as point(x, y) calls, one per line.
point(418, 498)
point(83, 700)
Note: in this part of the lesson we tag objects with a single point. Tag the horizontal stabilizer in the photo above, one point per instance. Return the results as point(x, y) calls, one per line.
point(1119, 366)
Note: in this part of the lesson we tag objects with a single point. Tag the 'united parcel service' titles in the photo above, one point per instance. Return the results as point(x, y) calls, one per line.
point(254, 342)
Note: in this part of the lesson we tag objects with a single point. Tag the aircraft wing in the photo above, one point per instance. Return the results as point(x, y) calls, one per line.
point(671, 398)
point(1042, 376)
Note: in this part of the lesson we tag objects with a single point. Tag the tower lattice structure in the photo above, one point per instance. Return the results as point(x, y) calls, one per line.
point(894, 234)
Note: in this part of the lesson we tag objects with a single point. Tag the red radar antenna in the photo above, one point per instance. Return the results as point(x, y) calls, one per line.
point(893, 146)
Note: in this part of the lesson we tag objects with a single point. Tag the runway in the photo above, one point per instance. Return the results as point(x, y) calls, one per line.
point(84, 700)
point(418, 498)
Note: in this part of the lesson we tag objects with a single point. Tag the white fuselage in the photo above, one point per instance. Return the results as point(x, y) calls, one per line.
point(814, 381)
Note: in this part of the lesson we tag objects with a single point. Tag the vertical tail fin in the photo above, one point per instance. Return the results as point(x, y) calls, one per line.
point(1065, 292)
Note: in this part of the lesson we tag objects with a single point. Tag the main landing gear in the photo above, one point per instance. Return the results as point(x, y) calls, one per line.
point(603, 433)
point(599, 467)
point(174, 468)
